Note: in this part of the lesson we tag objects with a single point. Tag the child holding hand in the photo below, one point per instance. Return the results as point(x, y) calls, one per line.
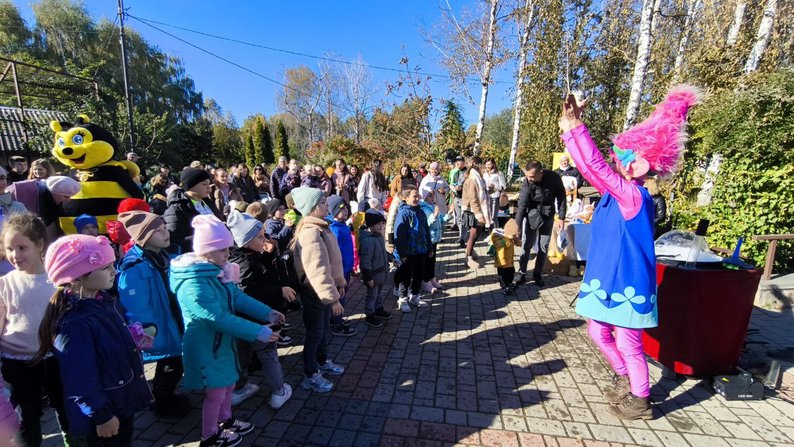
point(504, 243)
point(205, 284)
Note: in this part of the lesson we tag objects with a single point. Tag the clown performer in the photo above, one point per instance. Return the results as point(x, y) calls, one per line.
point(618, 293)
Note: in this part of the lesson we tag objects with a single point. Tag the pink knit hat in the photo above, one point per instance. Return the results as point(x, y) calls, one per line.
point(210, 234)
point(76, 255)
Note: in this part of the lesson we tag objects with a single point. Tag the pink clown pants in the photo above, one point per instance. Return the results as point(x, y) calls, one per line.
point(624, 353)
point(217, 408)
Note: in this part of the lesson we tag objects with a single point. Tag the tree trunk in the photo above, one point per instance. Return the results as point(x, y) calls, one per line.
point(692, 9)
point(641, 63)
point(486, 74)
point(736, 26)
point(763, 36)
point(522, 62)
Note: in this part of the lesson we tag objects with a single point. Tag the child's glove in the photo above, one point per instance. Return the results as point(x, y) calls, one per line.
point(142, 339)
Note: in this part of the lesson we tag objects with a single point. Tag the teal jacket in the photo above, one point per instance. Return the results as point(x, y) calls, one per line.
point(208, 307)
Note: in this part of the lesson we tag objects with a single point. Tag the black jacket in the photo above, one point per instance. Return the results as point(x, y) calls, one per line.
point(258, 276)
point(247, 188)
point(542, 196)
point(179, 214)
point(275, 183)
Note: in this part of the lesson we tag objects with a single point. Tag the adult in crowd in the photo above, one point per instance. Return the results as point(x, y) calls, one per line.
point(187, 202)
point(421, 173)
point(314, 178)
point(156, 185)
point(474, 204)
point(18, 169)
point(355, 179)
point(405, 177)
point(495, 182)
point(165, 171)
point(566, 170)
point(290, 181)
point(661, 224)
point(456, 178)
point(434, 182)
point(262, 183)
point(133, 157)
point(41, 169)
point(342, 181)
point(8, 205)
point(276, 177)
point(245, 184)
point(223, 192)
point(373, 184)
point(541, 193)
point(318, 262)
point(45, 199)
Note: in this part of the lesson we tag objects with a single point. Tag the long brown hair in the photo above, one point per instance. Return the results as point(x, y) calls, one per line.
point(57, 306)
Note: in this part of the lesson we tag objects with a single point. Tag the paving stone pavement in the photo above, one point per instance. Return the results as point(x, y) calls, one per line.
point(480, 368)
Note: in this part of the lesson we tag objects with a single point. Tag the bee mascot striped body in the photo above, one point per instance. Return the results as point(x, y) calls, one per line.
point(88, 150)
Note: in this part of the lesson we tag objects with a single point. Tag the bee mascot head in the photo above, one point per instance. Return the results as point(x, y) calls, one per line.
point(88, 150)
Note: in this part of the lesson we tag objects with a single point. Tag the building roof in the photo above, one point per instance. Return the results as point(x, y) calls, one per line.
point(14, 131)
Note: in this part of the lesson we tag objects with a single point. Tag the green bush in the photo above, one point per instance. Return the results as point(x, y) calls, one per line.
point(753, 129)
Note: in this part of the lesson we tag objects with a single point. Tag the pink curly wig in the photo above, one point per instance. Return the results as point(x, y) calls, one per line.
point(660, 139)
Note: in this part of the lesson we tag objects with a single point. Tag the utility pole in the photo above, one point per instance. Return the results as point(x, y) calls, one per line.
point(124, 69)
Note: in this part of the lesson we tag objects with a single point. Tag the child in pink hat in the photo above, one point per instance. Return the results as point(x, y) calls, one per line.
point(205, 284)
point(98, 355)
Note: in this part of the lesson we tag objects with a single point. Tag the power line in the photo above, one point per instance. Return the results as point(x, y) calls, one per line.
point(228, 61)
point(297, 53)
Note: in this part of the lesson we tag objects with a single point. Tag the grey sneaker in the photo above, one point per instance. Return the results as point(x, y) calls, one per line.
point(416, 301)
point(402, 304)
point(317, 383)
point(331, 368)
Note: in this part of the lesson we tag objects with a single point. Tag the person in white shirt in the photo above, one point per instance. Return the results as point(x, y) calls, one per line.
point(495, 182)
point(435, 182)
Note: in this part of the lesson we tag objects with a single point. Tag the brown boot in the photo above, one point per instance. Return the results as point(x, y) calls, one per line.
point(617, 390)
point(632, 407)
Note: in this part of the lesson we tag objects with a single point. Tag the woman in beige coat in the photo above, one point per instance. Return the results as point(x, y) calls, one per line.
point(476, 212)
point(318, 264)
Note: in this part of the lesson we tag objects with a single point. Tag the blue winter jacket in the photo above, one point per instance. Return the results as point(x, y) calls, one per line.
point(436, 223)
point(411, 232)
point(208, 307)
point(345, 240)
point(100, 364)
point(143, 290)
point(279, 232)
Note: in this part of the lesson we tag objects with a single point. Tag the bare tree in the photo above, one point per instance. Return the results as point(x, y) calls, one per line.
point(358, 91)
point(762, 37)
point(470, 45)
point(300, 97)
point(330, 84)
point(641, 62)
point(693, 6)
point(736, 25)
point(523, 48)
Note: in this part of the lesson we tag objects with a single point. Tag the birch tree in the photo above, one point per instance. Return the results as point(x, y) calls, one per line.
point(641, 62)
point(523, 48)
point(470, 45)
point(736, 25)
point(300, 97)
point(693, 6)
point(762, 37)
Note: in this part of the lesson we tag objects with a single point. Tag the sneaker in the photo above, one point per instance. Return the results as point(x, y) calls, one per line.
point(436, 284)
point(396, 291)
point(285, 326)
point(617, 390)
point(631, 408)
point(382, 313)
point(513, 286)
point(239, 396)
point(278, 400)
point(347, 323)
point(507, 291)
point(428, 287)
point(317, 383)
point(416, 301)
point(402, 304)
point(522, 278)
point(237, 426)
point(344, 331)
point(284, 340)
point(332, 369)
point(373, 321)
point(221, 439)
point(538, 280)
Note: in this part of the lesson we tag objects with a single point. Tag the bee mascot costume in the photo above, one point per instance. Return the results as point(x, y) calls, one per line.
point(88, 150)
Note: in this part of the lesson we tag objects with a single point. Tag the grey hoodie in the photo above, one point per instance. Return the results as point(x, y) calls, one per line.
point(372, 255)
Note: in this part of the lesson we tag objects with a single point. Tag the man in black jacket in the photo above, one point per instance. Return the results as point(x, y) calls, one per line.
point(566, 170)
point(541, 190)
point(275, 179)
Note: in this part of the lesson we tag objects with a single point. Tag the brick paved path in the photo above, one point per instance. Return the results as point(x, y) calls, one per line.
point(479, 368)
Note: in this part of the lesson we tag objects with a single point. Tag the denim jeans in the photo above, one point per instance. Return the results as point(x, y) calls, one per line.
point(317, 321)
point(530, 235)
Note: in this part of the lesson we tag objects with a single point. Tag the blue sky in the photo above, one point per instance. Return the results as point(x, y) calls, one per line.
point(377, 30)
